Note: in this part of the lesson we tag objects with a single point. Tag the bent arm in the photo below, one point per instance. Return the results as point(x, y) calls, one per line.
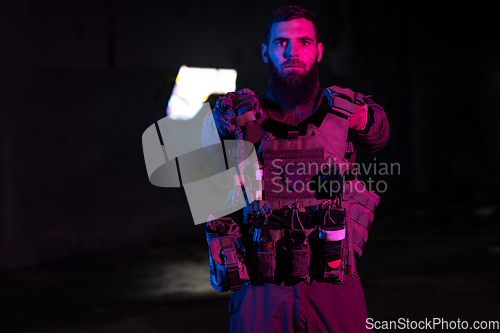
point(376, 133)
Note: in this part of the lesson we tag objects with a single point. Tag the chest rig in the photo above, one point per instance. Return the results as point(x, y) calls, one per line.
point(305, 222)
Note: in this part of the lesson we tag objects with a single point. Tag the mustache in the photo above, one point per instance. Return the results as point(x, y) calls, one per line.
point(294, 62)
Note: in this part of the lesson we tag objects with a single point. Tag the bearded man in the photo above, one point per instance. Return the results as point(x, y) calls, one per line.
point(290, 260)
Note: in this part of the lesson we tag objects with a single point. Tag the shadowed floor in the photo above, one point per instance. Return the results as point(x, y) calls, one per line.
point(412, 267)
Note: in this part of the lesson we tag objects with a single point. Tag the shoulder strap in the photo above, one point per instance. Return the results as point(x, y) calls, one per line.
point(335, 126)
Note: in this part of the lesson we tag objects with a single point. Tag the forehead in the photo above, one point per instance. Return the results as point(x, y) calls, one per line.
point(296, 28)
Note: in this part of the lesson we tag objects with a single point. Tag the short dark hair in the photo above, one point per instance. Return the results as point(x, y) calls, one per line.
point(291, 12)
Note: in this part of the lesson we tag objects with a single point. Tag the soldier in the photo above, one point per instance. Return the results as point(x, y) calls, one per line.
point(290, 260)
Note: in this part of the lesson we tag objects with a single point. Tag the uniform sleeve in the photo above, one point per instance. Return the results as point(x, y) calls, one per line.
point(209, 134)
point(222, 119)
point(376, 133)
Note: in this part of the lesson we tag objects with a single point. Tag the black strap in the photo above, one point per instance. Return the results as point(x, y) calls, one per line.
point(231, 261)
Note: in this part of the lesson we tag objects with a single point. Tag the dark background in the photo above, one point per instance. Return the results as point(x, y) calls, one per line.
point(82, 80)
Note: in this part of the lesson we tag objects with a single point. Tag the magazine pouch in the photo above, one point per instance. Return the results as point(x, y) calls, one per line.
point(226, 253)
point(265, 253)
point(296, 257)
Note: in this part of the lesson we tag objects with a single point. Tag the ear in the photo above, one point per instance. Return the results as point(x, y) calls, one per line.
point(319, 46)
point(263, 49)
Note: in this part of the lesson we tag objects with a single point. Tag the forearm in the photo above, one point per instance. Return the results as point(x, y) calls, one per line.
point(376, 133)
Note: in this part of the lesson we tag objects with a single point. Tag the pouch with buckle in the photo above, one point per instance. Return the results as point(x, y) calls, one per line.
point(226, 253)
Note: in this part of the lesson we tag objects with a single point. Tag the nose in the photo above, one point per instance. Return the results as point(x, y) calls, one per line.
point(291, 50)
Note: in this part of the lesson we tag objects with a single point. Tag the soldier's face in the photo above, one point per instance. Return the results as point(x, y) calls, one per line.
point(292, 48)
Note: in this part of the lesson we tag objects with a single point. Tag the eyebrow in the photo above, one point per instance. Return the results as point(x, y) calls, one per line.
point(300, 38)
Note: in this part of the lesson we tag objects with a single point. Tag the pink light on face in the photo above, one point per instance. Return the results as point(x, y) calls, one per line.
point(292, 46)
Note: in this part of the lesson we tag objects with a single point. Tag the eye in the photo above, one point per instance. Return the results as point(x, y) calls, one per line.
point(306, 42)
point(281, 43)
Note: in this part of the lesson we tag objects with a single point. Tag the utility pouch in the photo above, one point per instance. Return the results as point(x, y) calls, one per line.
point(331, 267)
point(266, 265)
point(300, 258)
point(297, 257)
point(226, 253)
point(265, 253)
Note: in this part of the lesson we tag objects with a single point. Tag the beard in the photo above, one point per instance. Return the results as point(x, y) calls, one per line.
point(292, 89)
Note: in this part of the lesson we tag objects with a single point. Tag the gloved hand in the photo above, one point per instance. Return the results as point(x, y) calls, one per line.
point(359, 118)
point(242, 101)
point(232, 105)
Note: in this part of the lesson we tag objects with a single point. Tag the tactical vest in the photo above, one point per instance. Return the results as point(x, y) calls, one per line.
point(310, 216)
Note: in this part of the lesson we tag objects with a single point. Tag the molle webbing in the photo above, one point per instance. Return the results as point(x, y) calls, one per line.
point(333, 131)
point(287, 173)
point(303, 142)
point(289, 165)
point(279, 203)
point(362, 207)
point(369, 200)
point(348, 244)
point(359, 243)
point(360, 219)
